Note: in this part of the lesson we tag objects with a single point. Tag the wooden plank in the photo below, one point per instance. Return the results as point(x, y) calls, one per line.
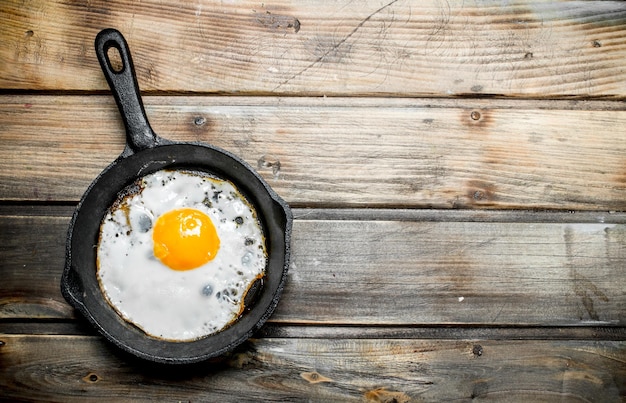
point(398, 47)
point(75, 368)
point(31, 263)
point(375, 154)
point(475, 273)
point(396, 273)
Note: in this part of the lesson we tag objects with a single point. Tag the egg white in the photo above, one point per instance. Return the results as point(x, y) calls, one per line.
point(179, 305)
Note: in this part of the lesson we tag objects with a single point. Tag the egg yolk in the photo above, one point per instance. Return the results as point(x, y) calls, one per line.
point(185, 239)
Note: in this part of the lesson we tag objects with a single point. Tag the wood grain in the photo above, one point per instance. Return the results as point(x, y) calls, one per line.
point(456, 170)
point(398, 47)
point(400, 272)
point(325, 153)
point(75, 368)
point(395, 273)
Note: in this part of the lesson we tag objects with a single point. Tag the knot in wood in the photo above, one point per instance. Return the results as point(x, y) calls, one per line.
point(91, 378)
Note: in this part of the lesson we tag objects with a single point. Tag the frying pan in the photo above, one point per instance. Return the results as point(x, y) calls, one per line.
point(146, 152)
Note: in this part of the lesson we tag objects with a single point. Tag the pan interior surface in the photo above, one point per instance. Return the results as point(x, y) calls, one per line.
point(80, 284)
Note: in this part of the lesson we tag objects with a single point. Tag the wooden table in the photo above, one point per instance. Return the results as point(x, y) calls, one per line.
point(457, 171)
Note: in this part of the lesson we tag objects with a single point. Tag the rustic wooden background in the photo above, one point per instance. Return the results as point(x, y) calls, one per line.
point(457, 171)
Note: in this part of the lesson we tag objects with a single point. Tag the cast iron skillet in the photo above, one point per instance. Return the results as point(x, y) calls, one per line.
point(145, 152)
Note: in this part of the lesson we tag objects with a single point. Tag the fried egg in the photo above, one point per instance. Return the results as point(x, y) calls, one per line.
point(177, 253)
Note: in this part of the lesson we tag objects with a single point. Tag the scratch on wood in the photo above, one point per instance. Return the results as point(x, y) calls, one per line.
point(498, 314)
point(443, 19)
point(583, 286)
point(580, 376)
point(336, 46)
point(315, 377)
point(481, 389)
point(268, 161)
point(276, 22)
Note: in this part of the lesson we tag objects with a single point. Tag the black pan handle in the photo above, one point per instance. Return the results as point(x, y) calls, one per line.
point(123, 83)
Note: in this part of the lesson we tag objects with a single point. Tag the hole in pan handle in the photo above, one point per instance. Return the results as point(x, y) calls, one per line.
point(123, 83)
